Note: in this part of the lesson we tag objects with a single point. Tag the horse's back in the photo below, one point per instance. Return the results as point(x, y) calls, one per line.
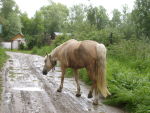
point(82, 53)
point(88, 47)
point(79, 53)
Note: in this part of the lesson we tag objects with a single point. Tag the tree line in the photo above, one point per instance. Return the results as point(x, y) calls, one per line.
point(79, 19)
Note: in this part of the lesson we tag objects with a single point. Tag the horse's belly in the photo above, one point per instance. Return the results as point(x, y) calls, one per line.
point(76, 64)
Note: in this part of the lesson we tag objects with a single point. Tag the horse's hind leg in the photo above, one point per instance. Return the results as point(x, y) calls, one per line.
point(91, 90)
point(90, 73)
point(62, 80)
point(76, 79)
point(95, 101)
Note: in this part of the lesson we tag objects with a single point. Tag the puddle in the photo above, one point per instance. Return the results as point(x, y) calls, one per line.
point(27, 89)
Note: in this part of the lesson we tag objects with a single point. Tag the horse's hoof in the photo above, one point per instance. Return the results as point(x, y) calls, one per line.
point(78, 95)
point(58, 90)
point(95, 103)
point(90, 95)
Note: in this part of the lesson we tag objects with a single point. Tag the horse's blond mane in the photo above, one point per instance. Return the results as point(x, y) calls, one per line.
point(59, 47)
point(54, 51)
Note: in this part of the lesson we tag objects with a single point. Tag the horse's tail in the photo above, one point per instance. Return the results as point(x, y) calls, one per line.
point(100, 70)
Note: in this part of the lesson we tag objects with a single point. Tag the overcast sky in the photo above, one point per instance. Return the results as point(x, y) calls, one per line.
point(30, 6)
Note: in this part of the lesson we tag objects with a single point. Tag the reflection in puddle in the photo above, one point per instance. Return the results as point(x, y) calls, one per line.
point(27, 89)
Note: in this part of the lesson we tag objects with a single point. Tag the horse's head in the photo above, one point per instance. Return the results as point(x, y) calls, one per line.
point(49, 64)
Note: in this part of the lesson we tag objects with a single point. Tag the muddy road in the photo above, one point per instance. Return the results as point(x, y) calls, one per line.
point(26, 90)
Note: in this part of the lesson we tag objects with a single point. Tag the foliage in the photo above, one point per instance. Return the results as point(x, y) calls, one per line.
point(54, 15)
point(41, 51)
point(97, 16)
point(129, 88)
point(10, 19)
point(3, 58)
point(141, 14)
point(116, 19)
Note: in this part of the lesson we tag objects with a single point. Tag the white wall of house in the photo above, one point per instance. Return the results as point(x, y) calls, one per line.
point(17, 42)
point(6, 45)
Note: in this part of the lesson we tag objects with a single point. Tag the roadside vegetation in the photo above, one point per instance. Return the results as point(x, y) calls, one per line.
point(3, 58)
point(126, 35)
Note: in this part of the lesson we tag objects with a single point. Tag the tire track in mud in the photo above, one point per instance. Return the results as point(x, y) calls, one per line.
point(28, 91)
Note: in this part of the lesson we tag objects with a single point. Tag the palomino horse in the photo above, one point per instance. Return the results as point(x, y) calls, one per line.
point(81, 54)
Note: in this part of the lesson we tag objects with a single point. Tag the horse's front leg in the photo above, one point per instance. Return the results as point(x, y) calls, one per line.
point(62, 79)
point(78, 94)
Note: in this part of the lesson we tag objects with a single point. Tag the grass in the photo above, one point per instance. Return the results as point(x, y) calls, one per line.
point(22, 51)
point(130, 89)
point(3, 58)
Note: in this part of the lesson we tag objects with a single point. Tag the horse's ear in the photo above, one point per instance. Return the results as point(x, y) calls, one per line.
point(50, 57)
point(46, 54)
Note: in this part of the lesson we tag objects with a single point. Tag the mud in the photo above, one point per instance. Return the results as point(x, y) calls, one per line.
point(26, 90)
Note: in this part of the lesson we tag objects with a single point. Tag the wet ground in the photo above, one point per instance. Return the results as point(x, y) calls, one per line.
point(26, 90)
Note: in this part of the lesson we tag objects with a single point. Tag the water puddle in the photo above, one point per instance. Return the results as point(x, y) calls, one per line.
point(27, 89)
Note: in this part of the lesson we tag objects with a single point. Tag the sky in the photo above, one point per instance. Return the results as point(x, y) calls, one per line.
point(31, 6)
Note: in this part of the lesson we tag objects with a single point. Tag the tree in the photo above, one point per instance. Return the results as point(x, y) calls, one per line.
point(97, 16)
point(77, 18)
point(14, 25)
point(127, 25)
point(8, 7)
point(141, 14)
point(54, 17)
point(27, 24)
point(116, 19)
point(10, 19)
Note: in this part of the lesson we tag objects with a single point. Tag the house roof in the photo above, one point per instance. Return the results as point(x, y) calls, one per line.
point(19, 35)
point(59, 33)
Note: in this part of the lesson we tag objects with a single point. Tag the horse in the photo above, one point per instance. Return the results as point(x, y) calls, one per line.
point(87, 54)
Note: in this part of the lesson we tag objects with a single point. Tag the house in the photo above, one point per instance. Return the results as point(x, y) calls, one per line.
point(6, 45)
point(15, 42)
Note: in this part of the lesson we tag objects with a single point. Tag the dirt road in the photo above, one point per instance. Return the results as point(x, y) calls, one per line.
point(26, 90)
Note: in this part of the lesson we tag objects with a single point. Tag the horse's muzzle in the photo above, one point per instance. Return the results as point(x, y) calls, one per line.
point(44, 72)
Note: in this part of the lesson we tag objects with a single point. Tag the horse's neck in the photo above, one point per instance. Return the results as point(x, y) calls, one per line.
point(55, 52)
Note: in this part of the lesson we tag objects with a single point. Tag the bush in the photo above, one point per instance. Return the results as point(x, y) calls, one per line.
point(21, 46)
point(135, 53)
point(43, 50)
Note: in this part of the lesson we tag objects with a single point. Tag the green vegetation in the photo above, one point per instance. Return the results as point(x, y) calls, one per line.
point(3, 58)
point(129, 76)
point(126, 36)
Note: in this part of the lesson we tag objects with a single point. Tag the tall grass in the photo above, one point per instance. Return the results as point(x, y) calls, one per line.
point(129, 75)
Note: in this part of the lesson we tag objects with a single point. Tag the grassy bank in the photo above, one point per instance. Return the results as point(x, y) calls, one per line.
point(128, 75)
point(3, 58)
